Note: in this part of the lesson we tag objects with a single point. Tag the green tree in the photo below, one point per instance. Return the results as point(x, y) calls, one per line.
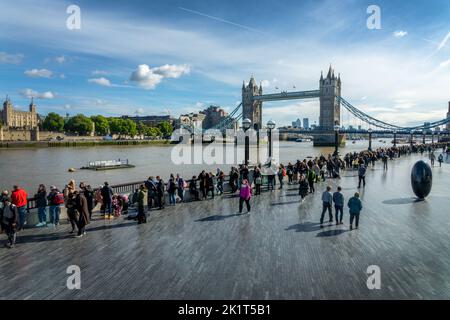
point(153, 132)
point(129, 127)
point(101, 124)
point(79, 124)
point(115, 125)
point(165, 128)
point(53, 122)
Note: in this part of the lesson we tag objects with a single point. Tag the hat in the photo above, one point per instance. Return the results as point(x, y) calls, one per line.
point(52, 187)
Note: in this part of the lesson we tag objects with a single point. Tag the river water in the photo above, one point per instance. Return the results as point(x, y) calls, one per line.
point(30, 167)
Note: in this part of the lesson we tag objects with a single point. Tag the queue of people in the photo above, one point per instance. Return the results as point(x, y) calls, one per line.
point(80, 201)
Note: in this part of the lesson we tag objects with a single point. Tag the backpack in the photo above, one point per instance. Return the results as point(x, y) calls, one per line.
point(284, 172)
point(185, 185)
point(58, 198)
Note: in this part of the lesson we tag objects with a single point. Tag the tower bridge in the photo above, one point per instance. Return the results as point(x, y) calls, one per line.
point(330, 103)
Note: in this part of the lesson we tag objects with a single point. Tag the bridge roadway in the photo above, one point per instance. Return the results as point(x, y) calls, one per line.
point(206, 250)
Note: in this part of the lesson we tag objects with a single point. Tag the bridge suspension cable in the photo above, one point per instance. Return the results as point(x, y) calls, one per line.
point(387, 126)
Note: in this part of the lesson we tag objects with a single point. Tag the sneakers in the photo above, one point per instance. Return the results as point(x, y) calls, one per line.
point(40, 224)
point(78, 236)
point(351, 227)
point(50, 225)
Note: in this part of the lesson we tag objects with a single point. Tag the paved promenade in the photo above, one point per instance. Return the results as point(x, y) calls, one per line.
point(206, 250)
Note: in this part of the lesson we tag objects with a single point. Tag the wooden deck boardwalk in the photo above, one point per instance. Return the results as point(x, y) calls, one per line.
point(206, 250)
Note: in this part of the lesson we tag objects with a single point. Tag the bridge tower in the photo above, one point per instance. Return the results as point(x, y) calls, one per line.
point(252, 109)
point(330, 107)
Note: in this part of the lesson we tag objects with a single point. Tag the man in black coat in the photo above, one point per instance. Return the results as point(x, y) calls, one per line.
point(161, 187)
point(107, 193)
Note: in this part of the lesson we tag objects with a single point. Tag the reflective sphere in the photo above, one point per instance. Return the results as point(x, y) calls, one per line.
point(421, 179)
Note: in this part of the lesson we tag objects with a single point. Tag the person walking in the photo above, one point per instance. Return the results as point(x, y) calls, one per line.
point(210, 184)
point(220, 181)
point(311, 179)
point(41, 203)
point(338, 200)
point(440, 159)
point(83, 213)
point(9, 219)
point(244, 195)
point(355, 207)
point(19, 199)
point(362, 175)
point(55, 200)
point(203, 179)
point(281, 175)
point(432, 158)
point(107, 194)
point(141, 217)
point(71, 206)
point(385, 161)
point(89, 195)
point(327, 200)
point(302, 187)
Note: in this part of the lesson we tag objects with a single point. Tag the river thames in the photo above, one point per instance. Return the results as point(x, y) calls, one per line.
point(31, 167)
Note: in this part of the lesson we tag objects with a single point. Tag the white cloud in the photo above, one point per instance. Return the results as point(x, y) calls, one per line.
point(39, 73)
point(29, 93)
point(445, 63)
point(148, 78)
point(399, 33)
point(100, 81)
point(10, 58)
point(99, 73)
point(60, 59)
point(62, 76)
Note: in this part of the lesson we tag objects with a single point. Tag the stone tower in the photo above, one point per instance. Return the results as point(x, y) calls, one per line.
point(7, 111)
point(252, 109)
point(32, 106)
point(330, 107)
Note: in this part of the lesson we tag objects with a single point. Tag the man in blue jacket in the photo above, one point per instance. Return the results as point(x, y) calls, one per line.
point(338, 199)
point(355, 207)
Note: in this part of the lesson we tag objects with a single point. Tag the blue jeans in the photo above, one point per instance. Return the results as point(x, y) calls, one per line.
point(42, 213)
point(21, 211)
point(341, 210)
point(172, 198)
point(55, 210)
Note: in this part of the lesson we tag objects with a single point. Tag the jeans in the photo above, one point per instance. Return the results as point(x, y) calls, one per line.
point(172, 198)
point(280, 178)
point(270, 182)
point(42, 213)
point(181, 193)
point(21, 211)
point(363, 179)
point(108, 206)
point(54, 211)
point(356, 217)
point(241, 204)
point(341, 210)
point(326, 206)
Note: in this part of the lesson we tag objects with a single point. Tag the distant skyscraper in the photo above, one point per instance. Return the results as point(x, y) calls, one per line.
point(297, 123)
point(306, 123)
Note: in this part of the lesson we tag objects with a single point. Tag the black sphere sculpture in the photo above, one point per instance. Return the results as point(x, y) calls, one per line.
point(421, 179)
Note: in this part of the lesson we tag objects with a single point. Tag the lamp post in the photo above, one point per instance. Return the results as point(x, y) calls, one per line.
point(336, 140)
point(270, 126)
point(246, 124)
point(411, 139)
point(395, 138)
point(423, 136)
point(432, 137)
point(370, 139)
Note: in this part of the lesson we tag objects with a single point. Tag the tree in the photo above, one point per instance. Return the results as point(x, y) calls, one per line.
point(165, 128)
point(53, 122)
point(79, 124)
point(101, 124)
point(129, 127)
point(153, 132)
point(115, 125)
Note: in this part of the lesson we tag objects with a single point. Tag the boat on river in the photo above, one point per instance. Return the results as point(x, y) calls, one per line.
point(108, 165)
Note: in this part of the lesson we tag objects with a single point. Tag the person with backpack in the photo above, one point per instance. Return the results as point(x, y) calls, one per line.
point(9, 219)
point(181, 186)
point(107, 194)
point(244, 195)
point(41, 203)
point(362, 175)
point(311, 178)
point(355, 207)
point(150, 185)
point(55, 199)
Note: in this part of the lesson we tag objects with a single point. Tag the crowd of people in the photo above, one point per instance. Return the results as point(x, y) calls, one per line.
point(80, 201)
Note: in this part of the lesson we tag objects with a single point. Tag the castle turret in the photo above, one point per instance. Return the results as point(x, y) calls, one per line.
point(330, 91)
point(252, 109)
point(32, 106)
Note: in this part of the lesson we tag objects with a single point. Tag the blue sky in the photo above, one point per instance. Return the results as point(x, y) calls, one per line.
point(159, 57)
